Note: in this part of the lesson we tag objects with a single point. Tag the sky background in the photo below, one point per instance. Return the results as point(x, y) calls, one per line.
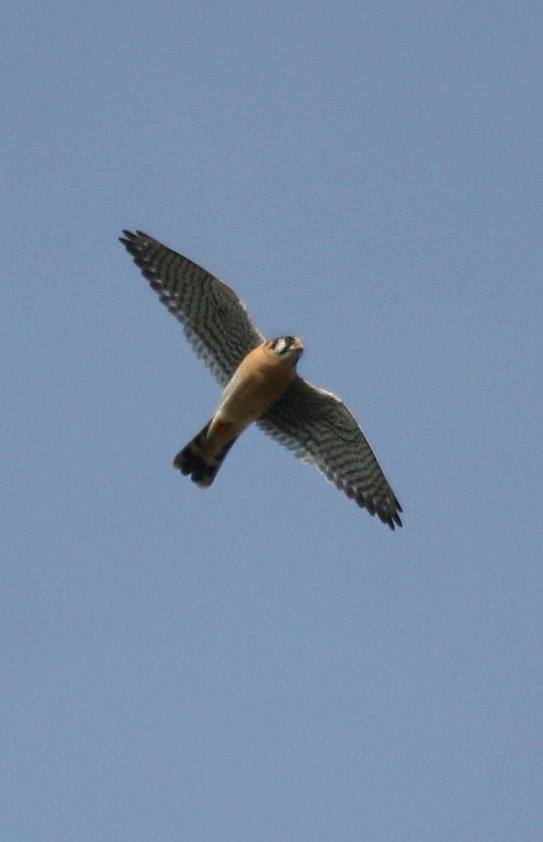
point(263, 660)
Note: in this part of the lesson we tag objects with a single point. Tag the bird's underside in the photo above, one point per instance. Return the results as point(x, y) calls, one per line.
point(260, 384)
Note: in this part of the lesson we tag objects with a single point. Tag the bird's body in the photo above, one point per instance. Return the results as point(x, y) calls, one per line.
point(260, 384)
point(260, 380)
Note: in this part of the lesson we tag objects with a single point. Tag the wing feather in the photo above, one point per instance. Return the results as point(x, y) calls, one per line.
point(214, 318)
point(317, 426)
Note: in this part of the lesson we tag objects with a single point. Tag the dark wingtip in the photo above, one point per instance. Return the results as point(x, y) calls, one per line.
point(129, 241)
point(392, 518)
point(391, 515)
point(131, 238)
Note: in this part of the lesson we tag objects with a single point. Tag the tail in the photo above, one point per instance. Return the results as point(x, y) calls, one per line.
point(201, 458)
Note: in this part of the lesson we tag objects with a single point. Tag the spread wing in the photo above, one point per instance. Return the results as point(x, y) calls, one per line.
point(319, 428)
point(215, 320)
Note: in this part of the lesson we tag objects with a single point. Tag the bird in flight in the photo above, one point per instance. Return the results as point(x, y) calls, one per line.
point(260, 384)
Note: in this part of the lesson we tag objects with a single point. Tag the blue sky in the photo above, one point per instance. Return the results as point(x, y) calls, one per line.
point(263, 660)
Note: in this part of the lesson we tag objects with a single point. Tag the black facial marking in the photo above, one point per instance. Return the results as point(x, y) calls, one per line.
point(286, 342)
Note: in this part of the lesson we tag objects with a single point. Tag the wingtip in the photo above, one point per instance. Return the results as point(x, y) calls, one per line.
point(130, 237)
point(127, 238)
point(394, 521)
point(392, 516)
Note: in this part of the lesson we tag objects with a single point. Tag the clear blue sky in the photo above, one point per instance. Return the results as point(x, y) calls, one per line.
point(263, 660)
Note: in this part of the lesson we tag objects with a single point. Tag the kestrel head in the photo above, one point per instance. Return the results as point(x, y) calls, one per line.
point(288, 348)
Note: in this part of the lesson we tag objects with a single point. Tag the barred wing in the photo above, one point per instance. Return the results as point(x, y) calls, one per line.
point(319, 428)
point(215, 320)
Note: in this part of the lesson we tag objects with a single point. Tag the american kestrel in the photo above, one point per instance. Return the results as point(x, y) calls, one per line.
point(260, 384)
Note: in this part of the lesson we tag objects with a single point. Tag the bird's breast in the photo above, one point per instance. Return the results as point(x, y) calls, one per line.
point(256, 385)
